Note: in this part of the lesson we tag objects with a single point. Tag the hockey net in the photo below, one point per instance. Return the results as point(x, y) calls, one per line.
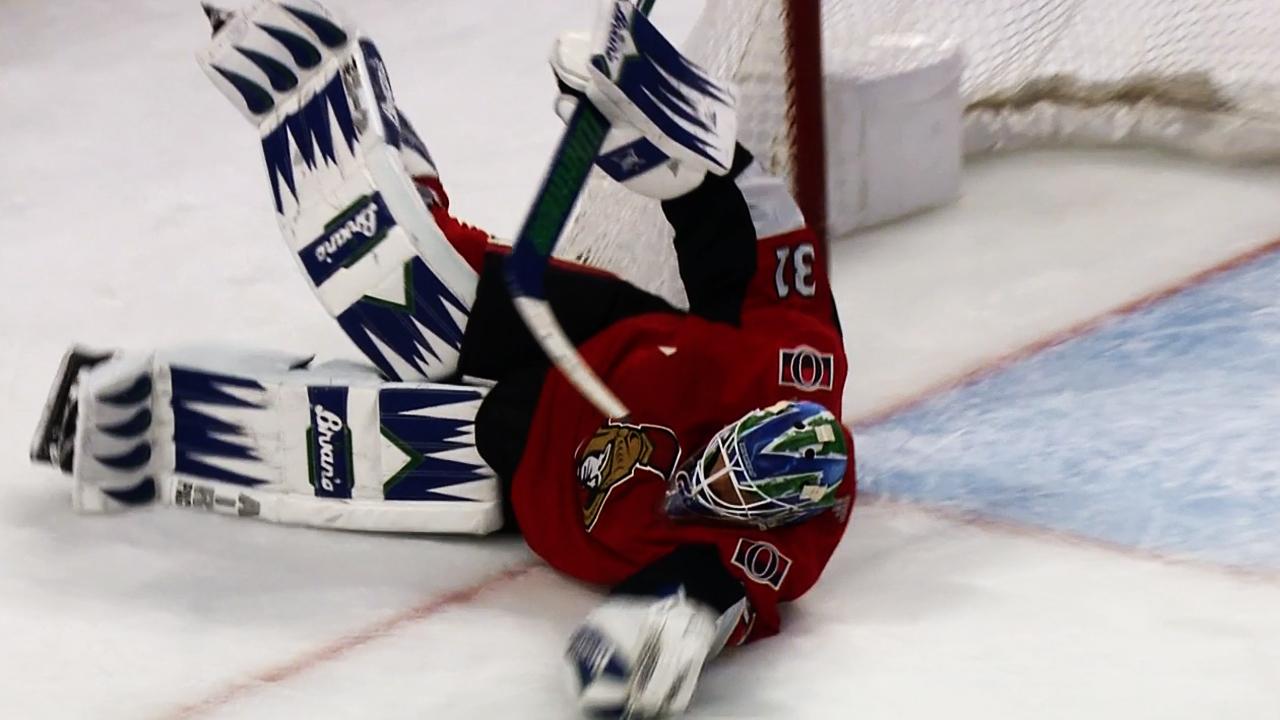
point(1194, 76)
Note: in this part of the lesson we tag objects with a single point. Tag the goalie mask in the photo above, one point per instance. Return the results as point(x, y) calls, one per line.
point(773, 467)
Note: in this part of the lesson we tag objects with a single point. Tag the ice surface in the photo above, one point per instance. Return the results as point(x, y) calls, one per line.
point(1157, 431)
point(134, 211)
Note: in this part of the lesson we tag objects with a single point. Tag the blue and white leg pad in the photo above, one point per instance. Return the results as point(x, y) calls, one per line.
point(264, 435)
point(338, 156)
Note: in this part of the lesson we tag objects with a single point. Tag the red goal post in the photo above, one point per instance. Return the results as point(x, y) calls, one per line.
point(803, 20)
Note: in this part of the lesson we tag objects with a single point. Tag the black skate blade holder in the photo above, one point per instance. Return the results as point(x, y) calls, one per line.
point(58, 405)
point(216, 15)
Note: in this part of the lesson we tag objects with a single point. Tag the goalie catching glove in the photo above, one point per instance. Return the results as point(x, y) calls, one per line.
point(640, 657)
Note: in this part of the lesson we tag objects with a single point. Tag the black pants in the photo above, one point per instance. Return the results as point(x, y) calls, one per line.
point(715, 245)
point(498, 346)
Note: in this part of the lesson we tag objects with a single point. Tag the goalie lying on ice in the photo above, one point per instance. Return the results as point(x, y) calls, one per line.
point(723, 493)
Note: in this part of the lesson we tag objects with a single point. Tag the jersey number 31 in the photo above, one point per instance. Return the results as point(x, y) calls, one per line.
point(794, 272)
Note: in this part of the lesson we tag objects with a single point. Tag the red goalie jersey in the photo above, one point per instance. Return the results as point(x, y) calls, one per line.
point(588, 493)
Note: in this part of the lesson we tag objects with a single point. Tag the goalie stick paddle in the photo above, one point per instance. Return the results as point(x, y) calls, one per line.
point(570, 165)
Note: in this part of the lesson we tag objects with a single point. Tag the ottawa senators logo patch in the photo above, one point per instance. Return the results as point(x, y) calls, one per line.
point(614, 455)
point(807, 369)
point(762, 562)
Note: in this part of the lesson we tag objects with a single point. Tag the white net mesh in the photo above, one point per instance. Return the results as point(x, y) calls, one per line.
point(626, 233)
point(1202, 76)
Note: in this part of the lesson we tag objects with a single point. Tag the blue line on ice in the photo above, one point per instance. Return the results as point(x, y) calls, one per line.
point(1160, 431)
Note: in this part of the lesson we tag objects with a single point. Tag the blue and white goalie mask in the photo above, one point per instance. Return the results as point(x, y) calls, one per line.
point(773, 467)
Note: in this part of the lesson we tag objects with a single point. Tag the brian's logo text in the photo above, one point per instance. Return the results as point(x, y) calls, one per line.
point(364, 222)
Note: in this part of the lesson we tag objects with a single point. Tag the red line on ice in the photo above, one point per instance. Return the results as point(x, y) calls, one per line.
point(343, 645)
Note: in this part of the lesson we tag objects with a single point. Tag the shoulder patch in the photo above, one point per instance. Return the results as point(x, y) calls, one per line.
point(806, 368)
point(762, 562)
point(614, 454)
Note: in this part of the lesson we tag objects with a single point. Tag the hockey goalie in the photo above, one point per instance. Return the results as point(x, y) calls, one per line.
point(721, 494)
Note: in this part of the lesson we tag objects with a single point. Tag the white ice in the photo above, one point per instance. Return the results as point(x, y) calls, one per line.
point(134, 212)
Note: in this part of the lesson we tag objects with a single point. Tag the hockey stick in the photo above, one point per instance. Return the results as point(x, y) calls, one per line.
point(570, 165)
